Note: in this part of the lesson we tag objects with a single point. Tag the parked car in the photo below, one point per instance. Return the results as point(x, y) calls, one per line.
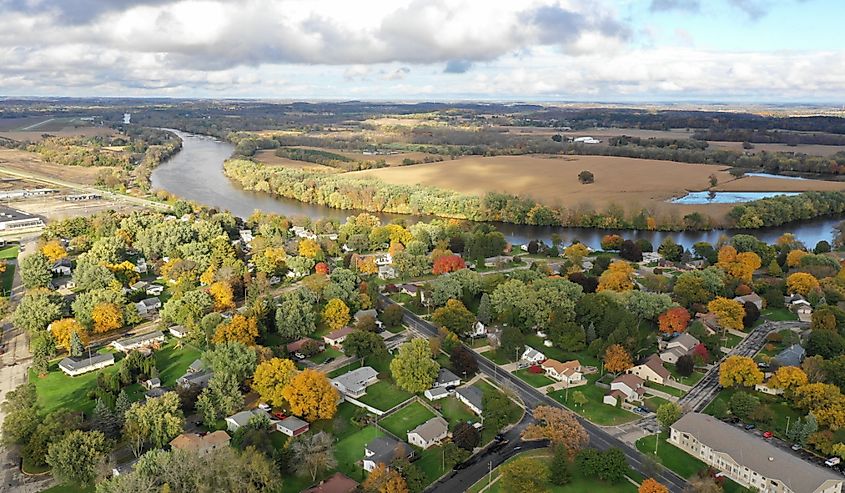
point(750, 426)
point(264, 407)
point(279, 415)
point(796, 447)
point(833, 461)
point(329, 359)
point(767, 435)
point(299, 355)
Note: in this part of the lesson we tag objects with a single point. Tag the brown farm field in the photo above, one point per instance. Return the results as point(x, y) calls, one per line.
point(30, 162)
point(270, 158)
point(811, 149)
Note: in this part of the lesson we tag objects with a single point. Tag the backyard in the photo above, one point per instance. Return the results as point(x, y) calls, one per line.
point(594, 410)
point(405, 419)
point(384, 395)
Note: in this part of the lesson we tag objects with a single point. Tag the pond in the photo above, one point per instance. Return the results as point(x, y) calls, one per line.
point(708, 197)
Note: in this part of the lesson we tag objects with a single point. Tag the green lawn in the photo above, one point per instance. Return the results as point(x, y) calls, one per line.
point(778, 314)
point(172, 363)
point(381, 365)
point(690, 380)
point(497, 357)
point(594, 410)
point(322, 356)
point(783, 412)
point(534, 379)
point(9, 252)
point(536, 342)
point(665, 388)
point(350, 451)
point(7, 278)
point(652, 403)
point(69, 488)
point(384, 395)
point(514, 412)
point(407, 418)
point(454, 411)
point(431, 463)
point(731, 340)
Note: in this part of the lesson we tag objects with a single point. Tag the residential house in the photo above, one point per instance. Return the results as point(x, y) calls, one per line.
point(196, 366)
point(336, 483)
point(368, 313)
point(337, 337)
point(242, 418)
point(246, 236)
point(751, 298)
point(354, 383)
point(136, 287)
point(473, 397)
point(751, 462)
point(154, 290)
point(78, 366)
point(800, 306)
point(199, 379)
point(678, 347)
point(303, 233)
point(497, 260)
point(652, 370)
point(141, 265)
point(478, 330)
point(436, 393)
point(569, 372)
point(152, 383)
point(429, 433)
point(148, 306)
point(201, 444)
point(446, 378)
point(383, 259)
point(292, 426)
point(155, 393)
point(710, 322)
point(386, 272)
point(532, 356)
point(178, 331)
point(296, 346)
point(383, 450)
point(625, 388)
point(149, 339)
point(62, 283)
point(62, 267)
point(791, 356)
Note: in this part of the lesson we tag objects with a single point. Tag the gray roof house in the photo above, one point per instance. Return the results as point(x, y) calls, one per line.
point(139, 341)
point(199, 379)
point(791, 356)
point(473, 397)
point(242, 418)
point(196, 366)
point(446, 378)
point(292, 426)
point(78, 366)
point(383, 450)
point(429, 433)
point(354, 383)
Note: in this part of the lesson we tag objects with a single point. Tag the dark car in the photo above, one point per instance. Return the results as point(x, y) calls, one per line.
point(499, 437)
point(750, 426)
point(329, 359)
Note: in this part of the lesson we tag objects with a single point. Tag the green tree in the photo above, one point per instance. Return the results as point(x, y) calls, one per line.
point(743, 404)
point(221, 398)
point(21, 414)
point(362, 344)
point(43, 348)
point(76, 346)
point(36, 310)
point(412, 367)
point(76, 457)
point(667, 414)
point(512, 343)
point(485, 310)
point(524, 475)
point(160, 419)
point(295, 317)
point(232, 358)
point(559, 472)
point(54, 426)
point(35, 270)
point(455, 317)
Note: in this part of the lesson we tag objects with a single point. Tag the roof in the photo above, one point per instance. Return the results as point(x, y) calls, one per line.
point(337, 334)
point(531, 353)
point(411, 288)
point(472, 394)
point(791, 356)
point(150, 302)
point(567, 368)
point(356, 380)
point(385, 449)
point(75, 364)
point(445, 376)
point(7, 214)
point(193, 442)
point(656, 364)
point(758, 455)
point(62, 262)
point(337, 483)
point(243, 417)
point(432, 429)
point(753, 298)
point(364, 313)
point(292, 423)
point(140, 339)
point(197, 378)
point(632, 381)
point(196, 366)
point(437, 391)
point(686, 340)
point(297, 345)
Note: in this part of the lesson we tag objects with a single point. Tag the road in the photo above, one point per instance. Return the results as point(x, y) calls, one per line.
point(599, 438)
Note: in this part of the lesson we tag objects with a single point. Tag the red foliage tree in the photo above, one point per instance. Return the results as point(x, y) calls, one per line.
point(674, 320)
point(700, 353)
point(535, 369)
point(321, 268)
point(611, 242)
point(448, 263)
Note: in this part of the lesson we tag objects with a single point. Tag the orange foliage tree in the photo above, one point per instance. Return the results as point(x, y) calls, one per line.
point(651, 485)
point(311, 395)
point(53, 250)
point(560, 427)
point(801, 283)
point(739, 371)
point(728, 312)
point(62, 332)
point(238, 329)
point(788, 378)
point(673, 320)
point(738, 265)
point(106, 317)
point(617, 277)
point(617, 359)
point(448, 263)
point(793, 258)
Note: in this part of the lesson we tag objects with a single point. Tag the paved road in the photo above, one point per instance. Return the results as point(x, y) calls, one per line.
point(599, 438)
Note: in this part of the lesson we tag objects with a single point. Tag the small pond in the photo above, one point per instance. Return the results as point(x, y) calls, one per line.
point(725, 197)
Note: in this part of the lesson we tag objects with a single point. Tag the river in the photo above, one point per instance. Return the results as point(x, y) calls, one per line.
point(196, 173)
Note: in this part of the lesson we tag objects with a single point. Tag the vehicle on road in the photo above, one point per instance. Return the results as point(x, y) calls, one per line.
point(833, 461)
point(750, 426)
point(767, 435)
point(796, 447)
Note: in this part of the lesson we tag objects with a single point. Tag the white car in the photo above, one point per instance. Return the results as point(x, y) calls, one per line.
point(264, 407)
point(833, 461)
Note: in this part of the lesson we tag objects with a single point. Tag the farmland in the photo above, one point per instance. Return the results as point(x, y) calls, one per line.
point(30, 162)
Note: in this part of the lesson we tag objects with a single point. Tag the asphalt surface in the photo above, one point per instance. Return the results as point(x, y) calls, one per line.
point(599, 438)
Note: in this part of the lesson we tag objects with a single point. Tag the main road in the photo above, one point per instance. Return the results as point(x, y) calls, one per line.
point(532, 398)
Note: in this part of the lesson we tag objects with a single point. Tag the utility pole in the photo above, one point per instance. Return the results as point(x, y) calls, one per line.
point(787, 425)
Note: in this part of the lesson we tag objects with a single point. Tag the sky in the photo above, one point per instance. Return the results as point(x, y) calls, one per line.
point(502, 50)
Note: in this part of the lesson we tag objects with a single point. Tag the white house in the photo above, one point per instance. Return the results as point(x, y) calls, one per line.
point(384, 450)
point(337, 337)
point(78, 366)
point(446, 378)
point(651, 370)
point(473, 397)
point(178, 331)
point(141, 265)
point(626, 388)
point(586, 140)
point(242, 418)
point(383, 259)
point(429, 433)
point(678, 347)
point(386, 272)
point(532, 356)
point(436, 393)
point(62, 267)
point(478, 330)
point(246, 236)
point(569, 372)
point(154, 289)
point(148, 306)
point(127, 344)
point(354, 383)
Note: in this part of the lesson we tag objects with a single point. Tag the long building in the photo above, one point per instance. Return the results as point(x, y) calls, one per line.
point(13, 219)
point(748, 460)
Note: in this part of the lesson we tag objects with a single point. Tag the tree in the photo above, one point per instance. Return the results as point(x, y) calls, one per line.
point(801, 283)
point(21, 414)
point(76, 345)
point(221, 293)
point(43, 348)
point(524, 475)
point(674, 320)
point(63, 330)
point(448, 263)
point(159, 418)
point(454, 316)
point(576, 253)
point(384, 480)
point(106, 317)
point(617, 277)
point(685, 365)
point(37, 308)
point(104, 420)
point(76, 457)
point(310, 249)
point(788, 378)
point(466, 436)
point(463, 361)
point(35, 270)
point(270, 379)
point(560, 427)
point(651, 485)
point(412, 367)
point(313, 453)
point(742, 404)
point(559, 473)
point(609, 465)
point(670, 250)
point(586, 177)
point(362, 344)
point(512, 342)
point(336, 314)
point(579, 398)
point(231, 358)
point(630, 251)
point(738, 265)
point(752, 314)
point(414, 476)
point(53, 250)
point(392, 315)
point(311, 395)
point(295, 317)
point(611, 242)
point(729, 313)
point(240, 329)
point(739, 371)
point(667, 414)
point(221, 398)
point(617, 359)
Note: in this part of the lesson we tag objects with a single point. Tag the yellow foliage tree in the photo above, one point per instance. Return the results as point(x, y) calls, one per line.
point(739, 371)
point(617, 359)
point(366, 265)
point(311, 395)
point(106, 317)
point(788, 378)
point(270, 379)
point(310, 248)
point(53, 250)
point(124, 272)
point(62, 331)
point(336, 314)
point(395, 247)
point(207, 276)
point(238, 329)
point(651, 485)
point(728, 312)
point(271, 260)
point(801, 283)
point(793, 259)
point(383, 479)
point(221, 293)
point(825, 401)
point(576, 252)
point(617, 277)
point(738, 265)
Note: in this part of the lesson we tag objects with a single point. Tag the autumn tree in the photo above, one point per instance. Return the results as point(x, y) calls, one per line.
point(739, 371)
point(738, 265)
point(674, 320)
point(53, 250)
point(239, 329)
point(448, 263)
point(310, 249)
point(63, 330)
point(801, 283)
point(270, 379)
point(221, 293)
point(576, 253)
point(560, 427)
point(336, 314)
point(617, 359)
point(788, 378)
point(106, 317)
point(793, 258)
point(617, 277)
point(412, 367)
point(651, 485)
point(455, 316)
point(524, 475)
point(729, 313)
point(311, 395)
point(383, 479)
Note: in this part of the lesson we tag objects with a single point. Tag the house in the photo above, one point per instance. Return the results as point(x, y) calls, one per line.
point(246, 236)
point(201, 444)
point(497, 260)
point(178, 331)
point(62, 267)
point(199, 379)
point(446, 378)
point(136, 287)
point(625, 388)
point(750, 461)
point(383, 450)
point(801, 307)
point(368, 313)
point(753, 298)
point(386, 272)
point(429, 433)
point(155, 393)
point(473, 397)
point(141, 265)
point(196, 366)
point(152, 383)
point(436, 393)
point(410, 289)
point(62, 283)
point(292, 426)
point(154, 290)
point(139, 341)
point(336, 483)
point(569, 372)
point(242, 418)
point(78, 366)
point(651, 370)
point(791, 356)
point(296, 346)
point(586, 140)
point(303, 233)
point(678, 347)
point(337, 337)
point(532, 356)
point(354, 383)
point(710, 322)
point(148, 306)
point(383, 259)
point(478, 330)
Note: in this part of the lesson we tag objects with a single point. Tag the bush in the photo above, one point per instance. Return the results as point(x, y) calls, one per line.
point(586, 177)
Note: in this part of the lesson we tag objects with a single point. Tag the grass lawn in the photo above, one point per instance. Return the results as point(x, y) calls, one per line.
point(778, 314)
point(665, 388)
point(731, 340)
point(172, 363)
point(384, 395)
point(652, 403)
point(431, 463)
point(690, 380)
point(454, 411)
point(381, 365)
point(322, 356)
point(514, 412)
point(594, 410)
point(534, 379)
point(536, 342)
point(781, 409)
point(396, 329)
point(6, 279)
point(350, 450)
point(9, 252)
point(69, 488)
point(407, 418)
point(497, 357)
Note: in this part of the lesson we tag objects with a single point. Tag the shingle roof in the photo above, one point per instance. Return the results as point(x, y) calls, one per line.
point(445, 376)
point(791, 356)
point(337, 334)
point(75, 364)
point(686, 340)
point(193, 442)
point(337, 483)
point(139, 339)
point(756, 454)
point(385, 449)
point(292, 423)
point(432, 429)
point(472, 394)
point(656, 364)
point(356, 380)
point(632, 381)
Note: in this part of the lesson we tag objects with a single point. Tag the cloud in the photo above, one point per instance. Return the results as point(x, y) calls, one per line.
point(754, 8)
point(457, 66)
point(667, 5)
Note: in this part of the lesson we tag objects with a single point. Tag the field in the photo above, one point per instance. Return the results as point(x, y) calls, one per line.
point(405, 419)
point(269, 158)
point(29, 162)
point(811, 149)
